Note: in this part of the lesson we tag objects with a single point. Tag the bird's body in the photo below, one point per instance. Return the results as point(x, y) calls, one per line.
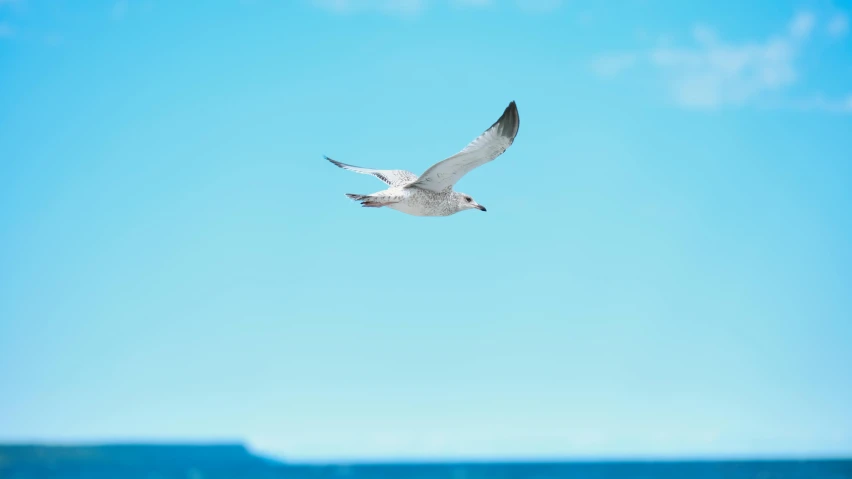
point(415, 201)
point(432, 194)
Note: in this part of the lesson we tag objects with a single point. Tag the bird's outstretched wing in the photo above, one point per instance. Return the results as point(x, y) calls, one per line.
point(486, 147)
point(391, 177)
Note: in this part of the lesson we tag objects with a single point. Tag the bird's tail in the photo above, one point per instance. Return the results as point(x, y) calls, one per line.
point(369, 201)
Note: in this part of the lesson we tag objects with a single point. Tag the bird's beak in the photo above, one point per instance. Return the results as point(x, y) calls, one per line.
point(481, 207)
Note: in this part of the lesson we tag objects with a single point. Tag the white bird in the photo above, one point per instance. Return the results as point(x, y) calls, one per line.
point(432, 193)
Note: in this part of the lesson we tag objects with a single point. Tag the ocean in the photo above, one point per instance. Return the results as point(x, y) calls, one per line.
point(839, 469)
point(236, 462)
point(591, 470)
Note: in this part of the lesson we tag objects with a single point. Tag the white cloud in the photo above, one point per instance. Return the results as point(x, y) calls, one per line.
point(712, 73)
point(820, 103)
point(838, 26)
point(611, 65)
point(410, 7)
point(704, 34)
point(473, 3)
point(716, 73)
point(539, 6)
point(802, 24)
point(6, 30)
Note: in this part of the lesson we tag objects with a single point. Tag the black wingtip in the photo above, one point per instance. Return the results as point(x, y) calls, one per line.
point(510, 120)
point(334, 162)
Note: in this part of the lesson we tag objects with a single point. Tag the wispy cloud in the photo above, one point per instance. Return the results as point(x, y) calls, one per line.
point(711, 73)
point(119, 9)
point(411, 7)
point(838, 26)
point(819, 102)
point(473, 3)
point(715, 73)
point(802, 25)
point(404, 7)
point(122, 9)
point(539, 6)
point(613, 64)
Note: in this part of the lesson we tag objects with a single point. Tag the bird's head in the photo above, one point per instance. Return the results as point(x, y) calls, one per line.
point(468, 203)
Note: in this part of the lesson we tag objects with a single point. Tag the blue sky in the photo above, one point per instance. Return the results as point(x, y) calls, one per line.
point(664, 268)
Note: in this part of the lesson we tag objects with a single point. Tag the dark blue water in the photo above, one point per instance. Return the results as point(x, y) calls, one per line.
point(234, 461)
point(647, 470)
point(670, 470)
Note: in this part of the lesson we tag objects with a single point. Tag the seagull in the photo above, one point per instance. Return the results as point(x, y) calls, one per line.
point(432, 194)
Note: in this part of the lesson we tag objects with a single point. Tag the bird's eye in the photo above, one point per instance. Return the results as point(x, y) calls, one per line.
point(468, 200)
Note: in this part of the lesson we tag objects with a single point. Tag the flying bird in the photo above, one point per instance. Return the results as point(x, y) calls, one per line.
point(432, 194)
